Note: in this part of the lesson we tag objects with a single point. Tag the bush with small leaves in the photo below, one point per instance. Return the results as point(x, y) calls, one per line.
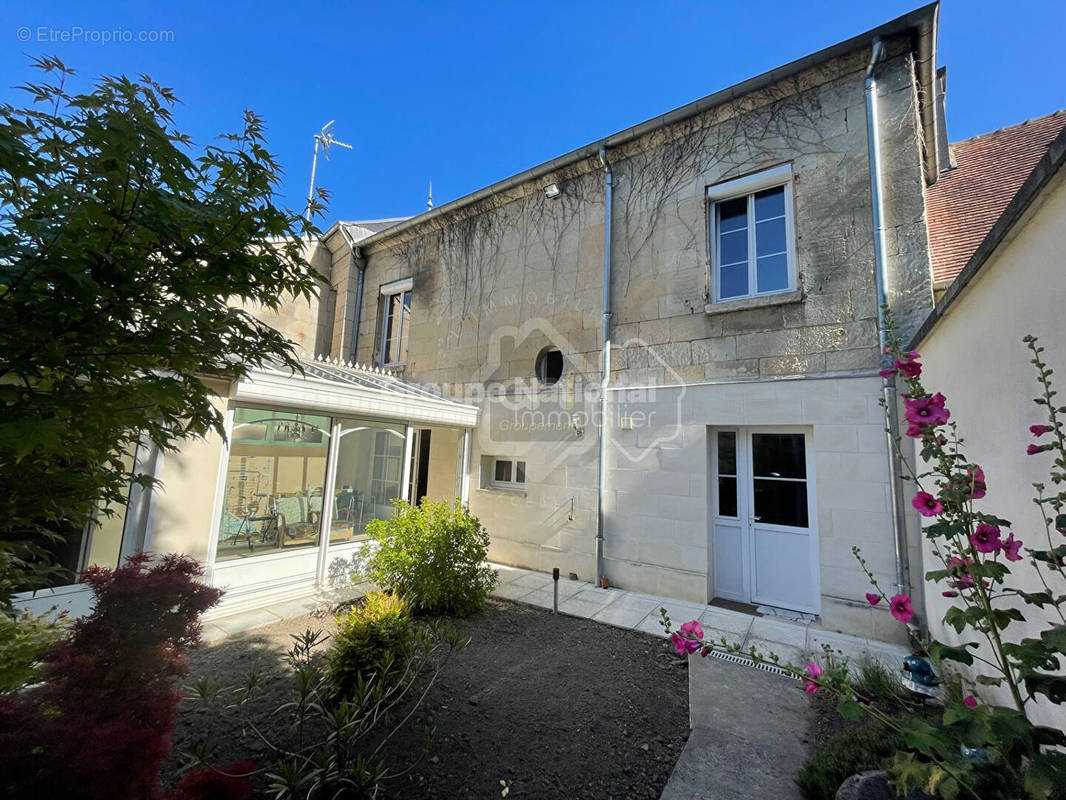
point(433, 556)
point(375, 638)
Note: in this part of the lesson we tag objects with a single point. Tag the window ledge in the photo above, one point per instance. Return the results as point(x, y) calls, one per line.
point(744, 303)
point(503, 490)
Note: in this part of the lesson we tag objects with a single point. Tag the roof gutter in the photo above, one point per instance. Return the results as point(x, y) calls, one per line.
point(922, 20)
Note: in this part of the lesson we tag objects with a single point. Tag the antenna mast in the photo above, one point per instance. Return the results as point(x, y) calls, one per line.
point(326, 139)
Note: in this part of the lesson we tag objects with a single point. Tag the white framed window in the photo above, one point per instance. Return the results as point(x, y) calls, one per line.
point(508, 473)
point(395, 322)
point(752, 235)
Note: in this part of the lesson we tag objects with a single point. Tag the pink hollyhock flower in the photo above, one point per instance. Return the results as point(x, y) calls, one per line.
point(813, 671)
point(901, 608)
point(678, 642)
point(1040, 430)
point(1033, 449)
point(910, 367)
point(1011, 547)
point(683, 645)
point(927, 410)
point(873, 599)
point(887, 373)
point(965, 580)
point(914, 430)
point(927, 505)
point(975, 478)
point(986, 538)
point(692, 630)
point(970, 701)
point(687, 640)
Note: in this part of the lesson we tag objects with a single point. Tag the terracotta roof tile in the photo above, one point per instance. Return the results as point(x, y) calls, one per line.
point(965, 202)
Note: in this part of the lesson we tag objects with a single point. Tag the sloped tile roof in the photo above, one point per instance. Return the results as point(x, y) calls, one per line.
point(966, 201)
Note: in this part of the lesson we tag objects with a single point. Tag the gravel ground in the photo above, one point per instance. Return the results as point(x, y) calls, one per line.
point(543, 706)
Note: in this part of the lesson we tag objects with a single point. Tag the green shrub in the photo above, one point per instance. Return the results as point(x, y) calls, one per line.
point(433, 556)
point(376, 637)
point(24, 639)
point(866, 746)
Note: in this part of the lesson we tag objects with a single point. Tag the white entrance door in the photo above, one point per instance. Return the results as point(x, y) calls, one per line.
point(764, 543)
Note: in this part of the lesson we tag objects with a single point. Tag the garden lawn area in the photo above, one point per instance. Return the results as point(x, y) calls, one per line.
point(552, 706)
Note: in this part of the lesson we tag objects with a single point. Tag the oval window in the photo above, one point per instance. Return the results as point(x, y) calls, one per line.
point(549, 366)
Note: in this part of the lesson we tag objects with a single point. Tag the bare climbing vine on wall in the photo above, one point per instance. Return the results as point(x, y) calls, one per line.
point(469, 251)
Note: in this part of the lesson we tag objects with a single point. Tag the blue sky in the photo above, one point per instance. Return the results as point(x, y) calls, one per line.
point(465, 94)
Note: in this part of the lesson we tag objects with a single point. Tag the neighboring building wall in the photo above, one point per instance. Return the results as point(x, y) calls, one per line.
point(183, 507)
point(306, 323)
point(495, 284)
point(976, 357)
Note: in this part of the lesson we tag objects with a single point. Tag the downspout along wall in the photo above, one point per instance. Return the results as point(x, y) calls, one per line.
point(608, 183)
point(888, 385)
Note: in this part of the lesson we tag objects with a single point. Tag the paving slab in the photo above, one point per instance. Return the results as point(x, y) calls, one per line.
point(748, 732)
point(534, 580)
point(626, 611)
point(245, 621)
point(512, 591)
point(731, 621)
point(776, 630)
point(508, 574)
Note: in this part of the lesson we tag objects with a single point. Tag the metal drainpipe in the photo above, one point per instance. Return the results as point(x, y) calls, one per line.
point(888, 385)
point(356, 258)
point(606, 361)
point(359, 259)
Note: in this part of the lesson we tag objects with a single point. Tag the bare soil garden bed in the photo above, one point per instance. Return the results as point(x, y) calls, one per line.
point(553, 706)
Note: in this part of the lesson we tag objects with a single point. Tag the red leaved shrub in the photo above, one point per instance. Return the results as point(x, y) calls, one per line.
point(220, 783)
point(99, 726)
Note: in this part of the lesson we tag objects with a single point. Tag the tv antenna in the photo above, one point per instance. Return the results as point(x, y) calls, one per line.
point(325, 138)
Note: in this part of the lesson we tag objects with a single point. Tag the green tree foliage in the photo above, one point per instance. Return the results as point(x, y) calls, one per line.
point(127, 261)
point(433, 556)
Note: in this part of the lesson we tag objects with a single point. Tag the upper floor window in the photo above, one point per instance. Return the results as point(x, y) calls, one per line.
point(752, 240)
point(395, 322)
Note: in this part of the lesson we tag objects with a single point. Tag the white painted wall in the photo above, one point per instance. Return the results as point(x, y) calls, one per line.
point(658, 483)
point(976, 357)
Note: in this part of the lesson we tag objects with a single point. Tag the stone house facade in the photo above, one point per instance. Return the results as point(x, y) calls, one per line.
point(711, 378)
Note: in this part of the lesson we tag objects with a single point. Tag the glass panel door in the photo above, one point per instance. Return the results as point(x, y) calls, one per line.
point(764, 548)
point(369, 476)
point(784, 559)
point(779, 479)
